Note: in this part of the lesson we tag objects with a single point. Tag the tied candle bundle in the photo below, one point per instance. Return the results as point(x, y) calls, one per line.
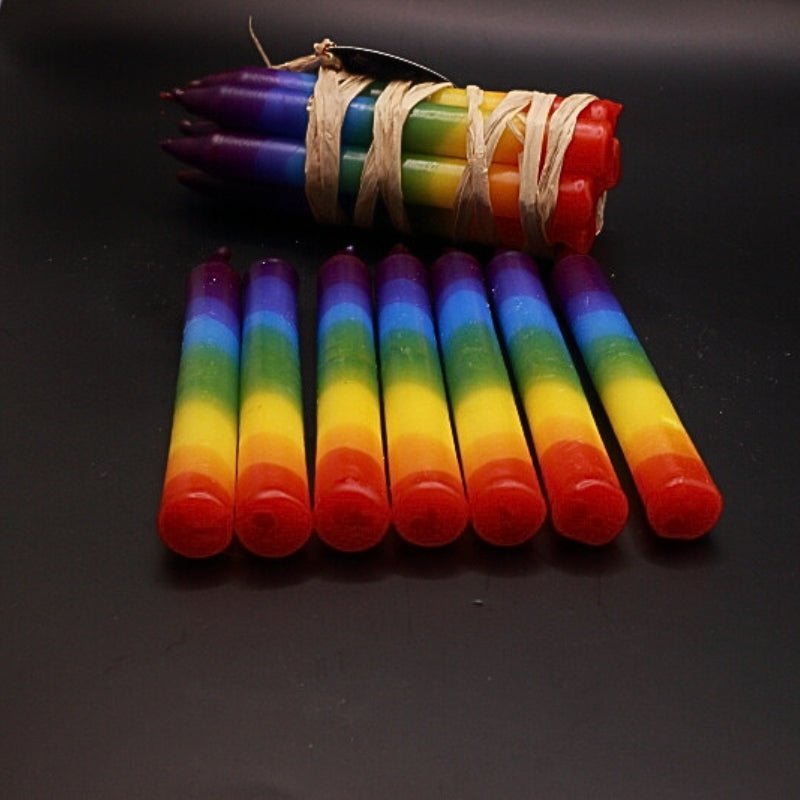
point(522, 169)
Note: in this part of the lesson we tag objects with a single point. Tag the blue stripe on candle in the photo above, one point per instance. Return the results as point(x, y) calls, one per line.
point(210, 333)
point(343, 312)
point(524, 312)
point(459, 308)
point(214, 309)
point(408, 317)
point(272, 321)
point(590, 326)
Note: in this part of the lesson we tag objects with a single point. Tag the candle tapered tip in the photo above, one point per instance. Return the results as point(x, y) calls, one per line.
point(171, 94)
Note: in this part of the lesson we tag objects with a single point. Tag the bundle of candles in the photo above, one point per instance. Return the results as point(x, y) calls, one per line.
point(420, 425)
point(526, 170)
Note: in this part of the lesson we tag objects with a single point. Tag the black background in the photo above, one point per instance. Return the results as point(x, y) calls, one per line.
point(640, 670)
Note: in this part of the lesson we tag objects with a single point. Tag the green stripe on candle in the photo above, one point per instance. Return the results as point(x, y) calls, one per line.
point(540, 355)
point(611, 358)
point(411, 357)
point(208, 374)
point(467, 375)
point(347, 354)
point(275, 358)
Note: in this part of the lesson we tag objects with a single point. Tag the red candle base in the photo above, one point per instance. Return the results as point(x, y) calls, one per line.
point(429, 511)
point(592, 509)
point(679, 495)
point(505, 501)
point(351, 509)
point(272, 522)
point(195, 518)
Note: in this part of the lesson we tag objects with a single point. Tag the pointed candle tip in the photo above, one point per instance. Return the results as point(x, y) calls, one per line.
point(171, 94)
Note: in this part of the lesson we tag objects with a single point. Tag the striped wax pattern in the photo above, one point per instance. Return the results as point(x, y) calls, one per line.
point(273, 508)
point(429, 183)
point(505, 499)
point(585, 498)
point(433, 128)
point(677, 491)
point(351, 504)
point(429, 507)
point(195, 517)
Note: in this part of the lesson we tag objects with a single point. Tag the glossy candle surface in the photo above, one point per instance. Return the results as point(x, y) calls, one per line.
point(431, 128)
point(273, 507)
point(351, 503)
point(585, 498)
point(429, 507)
point(677, 491)
point(196, 513)
point(505, 499)
point(427, 181)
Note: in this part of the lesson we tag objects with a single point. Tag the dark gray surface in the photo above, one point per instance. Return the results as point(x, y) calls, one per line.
point(641, 670)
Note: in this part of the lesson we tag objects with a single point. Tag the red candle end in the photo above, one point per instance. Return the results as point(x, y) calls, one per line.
point(506, 504)
point(351, 509)
point(687, 505)
point(587, 503)
point(195, 519)
point(273, 512)
point(429, 512)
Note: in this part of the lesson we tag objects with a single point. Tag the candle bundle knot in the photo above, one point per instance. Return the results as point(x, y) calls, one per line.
point(522, 169)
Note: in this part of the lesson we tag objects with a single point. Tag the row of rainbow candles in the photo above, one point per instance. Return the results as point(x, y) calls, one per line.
point(418, 425)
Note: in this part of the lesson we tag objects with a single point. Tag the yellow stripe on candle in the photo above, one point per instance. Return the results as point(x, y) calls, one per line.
point(633, 403)
point(202, 459)
point(488, 427)
point(201, 423)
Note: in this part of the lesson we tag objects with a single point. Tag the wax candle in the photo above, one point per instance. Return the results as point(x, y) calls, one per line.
point(431, 128)
point(585, 498)
point(273, 507)
point(429, 507)
point(428, 181)
point(195, 517)
point(351, 503)
point(679, 496)
point(505, 499)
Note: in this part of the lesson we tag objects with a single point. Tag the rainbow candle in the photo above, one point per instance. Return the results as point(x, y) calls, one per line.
point(505, 499)
point(429, 507)
point(196, 514)
point(351, 503)
point(677, 491)
point(585, 498)
point(429, 182)
point(273, 507)
point(281, 111)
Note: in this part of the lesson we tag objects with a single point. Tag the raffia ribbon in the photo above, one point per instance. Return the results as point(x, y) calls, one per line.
point(544, 136)
point(383, 166)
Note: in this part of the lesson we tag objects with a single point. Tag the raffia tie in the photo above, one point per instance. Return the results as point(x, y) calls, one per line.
point(383, 166)
point(544, 134)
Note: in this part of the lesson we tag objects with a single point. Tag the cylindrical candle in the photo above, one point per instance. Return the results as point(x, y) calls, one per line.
point(585, 498)
point(273, 507)
point(351, 503)
point(431, 128)
point(196, 513)
point(427, 181)
point(429, 507)
point(505, 499)
point(679, 496)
